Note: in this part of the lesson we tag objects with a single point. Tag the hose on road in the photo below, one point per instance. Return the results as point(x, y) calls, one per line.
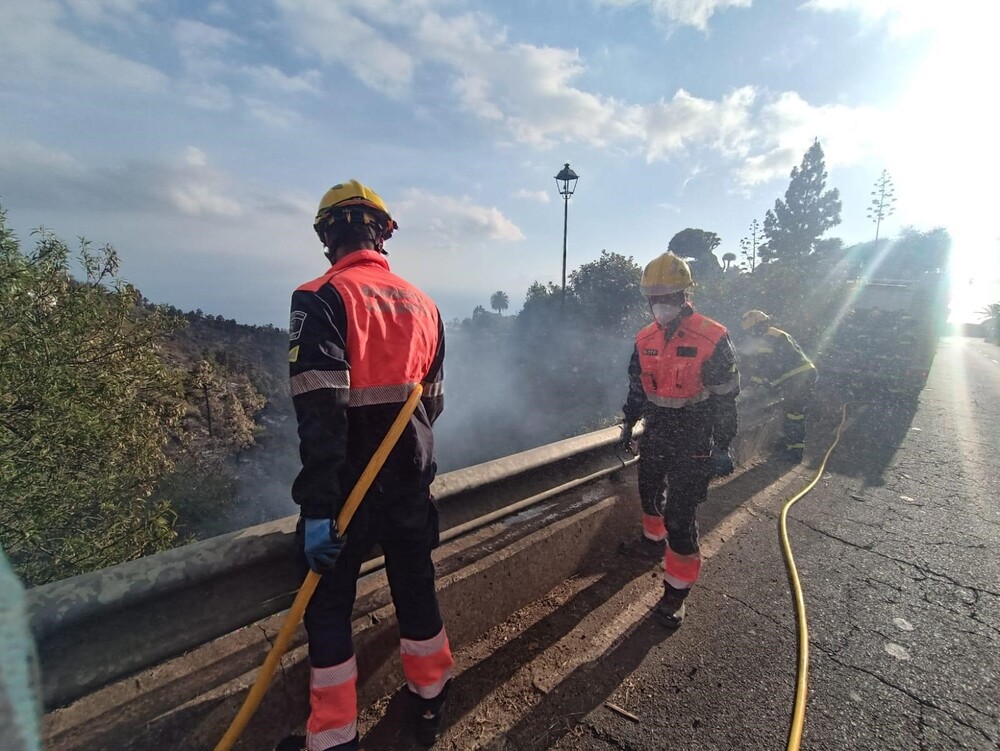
point(802, 669)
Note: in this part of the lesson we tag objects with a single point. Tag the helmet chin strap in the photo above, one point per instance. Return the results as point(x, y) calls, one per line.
point(377, 239)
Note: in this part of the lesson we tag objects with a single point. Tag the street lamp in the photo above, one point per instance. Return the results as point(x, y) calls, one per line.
point(566, 184)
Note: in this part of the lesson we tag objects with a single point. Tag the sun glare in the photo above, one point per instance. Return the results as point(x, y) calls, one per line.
point(941, 148)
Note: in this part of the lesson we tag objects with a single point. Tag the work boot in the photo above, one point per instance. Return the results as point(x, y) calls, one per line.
point(298, 743)
point(670, 608)
point(430, 715)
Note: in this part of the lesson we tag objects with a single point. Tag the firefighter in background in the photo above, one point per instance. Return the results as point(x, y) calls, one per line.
point(361, 338)
point(683, 381)
point(773, 360)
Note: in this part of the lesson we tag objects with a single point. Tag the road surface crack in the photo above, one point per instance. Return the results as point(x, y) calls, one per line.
point(920, 700)
point(925, 570)
point(748, 606)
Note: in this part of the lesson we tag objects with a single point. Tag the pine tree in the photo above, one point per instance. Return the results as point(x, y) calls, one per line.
point(796, 223)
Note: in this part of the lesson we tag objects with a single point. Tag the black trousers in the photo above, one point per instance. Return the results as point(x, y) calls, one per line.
point(406, 528)
point(672, 484)
point(796, 393)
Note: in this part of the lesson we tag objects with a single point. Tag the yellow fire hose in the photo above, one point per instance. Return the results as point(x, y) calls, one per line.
point(802, 677)
point(298, 608)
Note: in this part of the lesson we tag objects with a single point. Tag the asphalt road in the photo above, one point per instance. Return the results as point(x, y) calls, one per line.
point(897, 550)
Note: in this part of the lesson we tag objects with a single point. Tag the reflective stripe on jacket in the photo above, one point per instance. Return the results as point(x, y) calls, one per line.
point(360, 338)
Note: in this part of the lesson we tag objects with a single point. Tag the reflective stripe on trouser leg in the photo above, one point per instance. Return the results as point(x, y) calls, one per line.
point(333, 699)
point(653, 527)
point(426, 664)
point(681, 571)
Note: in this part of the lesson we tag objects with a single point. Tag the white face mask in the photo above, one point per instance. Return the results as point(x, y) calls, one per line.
point(664, 313)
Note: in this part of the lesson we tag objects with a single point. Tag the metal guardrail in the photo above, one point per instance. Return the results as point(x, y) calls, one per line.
point(99, 627)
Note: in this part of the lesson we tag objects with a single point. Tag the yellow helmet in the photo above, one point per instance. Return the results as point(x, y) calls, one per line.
point(665, 275)
point(753, 317)
point(353, 202)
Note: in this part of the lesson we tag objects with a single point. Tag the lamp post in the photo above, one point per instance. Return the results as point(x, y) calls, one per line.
point(566, 184)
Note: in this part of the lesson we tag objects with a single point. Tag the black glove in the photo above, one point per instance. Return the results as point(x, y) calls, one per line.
point(625, 442)
point(722, 462)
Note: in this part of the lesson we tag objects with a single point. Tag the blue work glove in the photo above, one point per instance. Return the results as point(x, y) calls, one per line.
point(321, 544)
point(722, 462)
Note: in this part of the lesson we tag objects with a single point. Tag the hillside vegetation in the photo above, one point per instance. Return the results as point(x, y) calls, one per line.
point(122, 425)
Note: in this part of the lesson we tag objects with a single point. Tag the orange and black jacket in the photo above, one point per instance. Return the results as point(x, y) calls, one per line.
point(683, 379)
point(360, 339)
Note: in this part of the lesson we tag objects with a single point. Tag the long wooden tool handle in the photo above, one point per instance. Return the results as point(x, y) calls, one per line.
point(298, 608)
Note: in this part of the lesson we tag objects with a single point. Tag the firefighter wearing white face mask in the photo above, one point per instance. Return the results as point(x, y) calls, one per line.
point(683, 382)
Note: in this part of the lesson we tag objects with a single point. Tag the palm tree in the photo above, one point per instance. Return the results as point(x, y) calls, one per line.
point(991, 319)
point(990, 312)
point(499, 301)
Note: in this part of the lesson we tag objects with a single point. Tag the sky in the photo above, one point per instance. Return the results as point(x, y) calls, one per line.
point(198, 137)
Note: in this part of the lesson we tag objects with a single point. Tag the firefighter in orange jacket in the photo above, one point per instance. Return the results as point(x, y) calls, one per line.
point(361, 338)
point(683, 382)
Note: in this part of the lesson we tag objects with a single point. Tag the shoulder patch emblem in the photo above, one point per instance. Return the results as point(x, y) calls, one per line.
point(295, 325)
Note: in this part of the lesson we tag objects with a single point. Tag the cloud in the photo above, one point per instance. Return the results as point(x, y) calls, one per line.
point(331, 32)
point(203, 49)
point(673, 208)
point(788, 124)
point(269, 77)
point(35, 48)
point(219, 8)
point(903, 17)
point(777, 162)
point(29, 155)
point(214, 83)
point(194, 188)
point(531, 195)
point(526, 88)
point(185, 185)
point(270, 114)
point(724, 125)
point(118, 13)
point(453, 222)
point(532, 96)
point(195, 37)
point(206, 96)
point(685, 12)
